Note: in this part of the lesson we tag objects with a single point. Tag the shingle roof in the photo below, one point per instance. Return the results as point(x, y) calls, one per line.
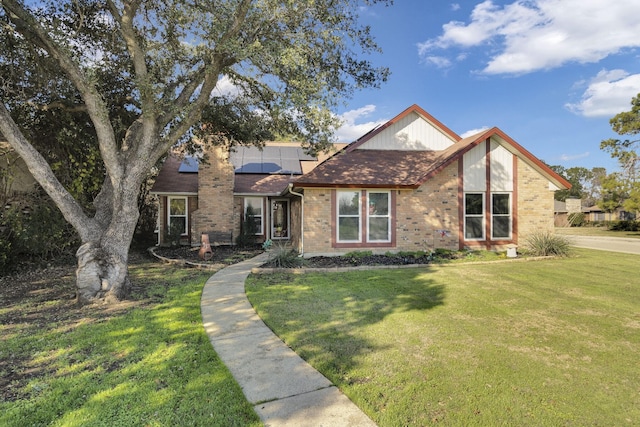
point(261, 184)
point(371, 168)
point(397, 169)
point(170, 180)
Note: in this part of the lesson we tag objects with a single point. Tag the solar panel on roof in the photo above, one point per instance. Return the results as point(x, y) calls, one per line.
point(271, 159)
point(271, 166)
point(188, 165)
point(254, 167)
point(291, 166)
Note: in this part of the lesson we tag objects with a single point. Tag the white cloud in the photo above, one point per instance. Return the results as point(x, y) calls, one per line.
point(438, 61)
point(530, 35)
point(225, 87)
point(350, 130)
point(607, 94)
point(455, 6)
point(570, 157)
point(472, 132)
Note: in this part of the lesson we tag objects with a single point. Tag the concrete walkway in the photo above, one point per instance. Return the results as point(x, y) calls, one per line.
point(284, 389)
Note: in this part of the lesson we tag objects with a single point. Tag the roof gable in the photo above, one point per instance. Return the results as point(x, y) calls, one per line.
point(413, 130)
point(401, 168)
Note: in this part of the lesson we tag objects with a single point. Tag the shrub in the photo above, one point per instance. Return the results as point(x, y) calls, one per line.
point(358, 254)
point(284, 257)
point(38, 234)
point(248, 230)
point(627, 225)
point(544, 243)
point(173, 234)
point(576, 219)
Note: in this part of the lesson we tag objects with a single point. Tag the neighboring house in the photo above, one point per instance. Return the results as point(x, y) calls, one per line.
point(595, 213)
point(563, 210)
point(15, 178)
point(411, 184)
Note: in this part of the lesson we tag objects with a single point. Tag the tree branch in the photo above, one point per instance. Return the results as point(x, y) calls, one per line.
point(41, 171)
point(28, 26)
point(220, 59)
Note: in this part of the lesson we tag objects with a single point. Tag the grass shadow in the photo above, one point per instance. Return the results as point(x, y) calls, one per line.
point(323, 316)
point(146, 361)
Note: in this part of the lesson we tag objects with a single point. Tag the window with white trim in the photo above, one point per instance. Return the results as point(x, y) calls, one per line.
point(500, 215)
point(254, 206)
point(349, 221)
point(474, 216)
point(178, 215)
point(378, 217)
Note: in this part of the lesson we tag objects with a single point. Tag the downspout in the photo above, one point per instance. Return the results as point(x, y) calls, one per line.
point(290, 188)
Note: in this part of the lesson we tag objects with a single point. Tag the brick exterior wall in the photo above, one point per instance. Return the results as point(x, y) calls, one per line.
point(216, 205)
point(418, 213)
point(317, 221)
point(433, 206)
point(535, 202)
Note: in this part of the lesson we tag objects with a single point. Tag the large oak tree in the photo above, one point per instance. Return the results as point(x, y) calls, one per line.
point(144, 74)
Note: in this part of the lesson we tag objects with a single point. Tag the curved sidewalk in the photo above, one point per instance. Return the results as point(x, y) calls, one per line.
point(284, 389)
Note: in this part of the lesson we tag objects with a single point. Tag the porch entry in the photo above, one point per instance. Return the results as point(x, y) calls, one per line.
point(280, 219)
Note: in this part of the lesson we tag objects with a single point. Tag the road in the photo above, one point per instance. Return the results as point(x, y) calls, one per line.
point(613, 244)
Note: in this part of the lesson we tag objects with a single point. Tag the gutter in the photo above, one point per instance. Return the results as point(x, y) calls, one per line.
point(290, 188)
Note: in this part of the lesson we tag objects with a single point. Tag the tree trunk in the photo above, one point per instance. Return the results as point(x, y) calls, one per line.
point(102, 275)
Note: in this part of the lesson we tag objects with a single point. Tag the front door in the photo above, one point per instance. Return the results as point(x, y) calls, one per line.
point(280, 219)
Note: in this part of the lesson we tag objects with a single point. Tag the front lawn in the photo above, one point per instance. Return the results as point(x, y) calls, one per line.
point(552, 342)
point(143, 362)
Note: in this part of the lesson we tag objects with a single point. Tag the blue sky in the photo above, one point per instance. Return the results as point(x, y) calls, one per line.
point(549, 73)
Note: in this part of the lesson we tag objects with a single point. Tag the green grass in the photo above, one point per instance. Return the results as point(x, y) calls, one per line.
point(552, 342)
point(596, 231)
point(147, 362)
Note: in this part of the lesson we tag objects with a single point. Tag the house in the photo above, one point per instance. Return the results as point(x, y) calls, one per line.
point(596, 214)
point(213, 197)
point(563, 211)
point(15, 178)
point(410, 184)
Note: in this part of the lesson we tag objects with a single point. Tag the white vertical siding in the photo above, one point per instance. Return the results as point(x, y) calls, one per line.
point(474, 174)
point(501, 168)
point(412, 132)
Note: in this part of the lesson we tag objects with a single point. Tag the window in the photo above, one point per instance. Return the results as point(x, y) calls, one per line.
point(500, 216)
point(364, 216)
point(349, 216)
point(178, 215)
point(474, 216)
point(378, 217)
point(253, 207)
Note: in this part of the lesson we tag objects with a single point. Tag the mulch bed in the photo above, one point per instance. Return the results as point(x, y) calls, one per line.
point(226, 255)
point(232, 254)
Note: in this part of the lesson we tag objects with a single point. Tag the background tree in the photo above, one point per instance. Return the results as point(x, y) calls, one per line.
point(626, 152)
point(613, 194)
point(580, 179)
point(143, 72)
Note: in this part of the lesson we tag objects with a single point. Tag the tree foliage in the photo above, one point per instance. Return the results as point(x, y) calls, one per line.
point(131, 78)
point(586, 184)
point(626, 152)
